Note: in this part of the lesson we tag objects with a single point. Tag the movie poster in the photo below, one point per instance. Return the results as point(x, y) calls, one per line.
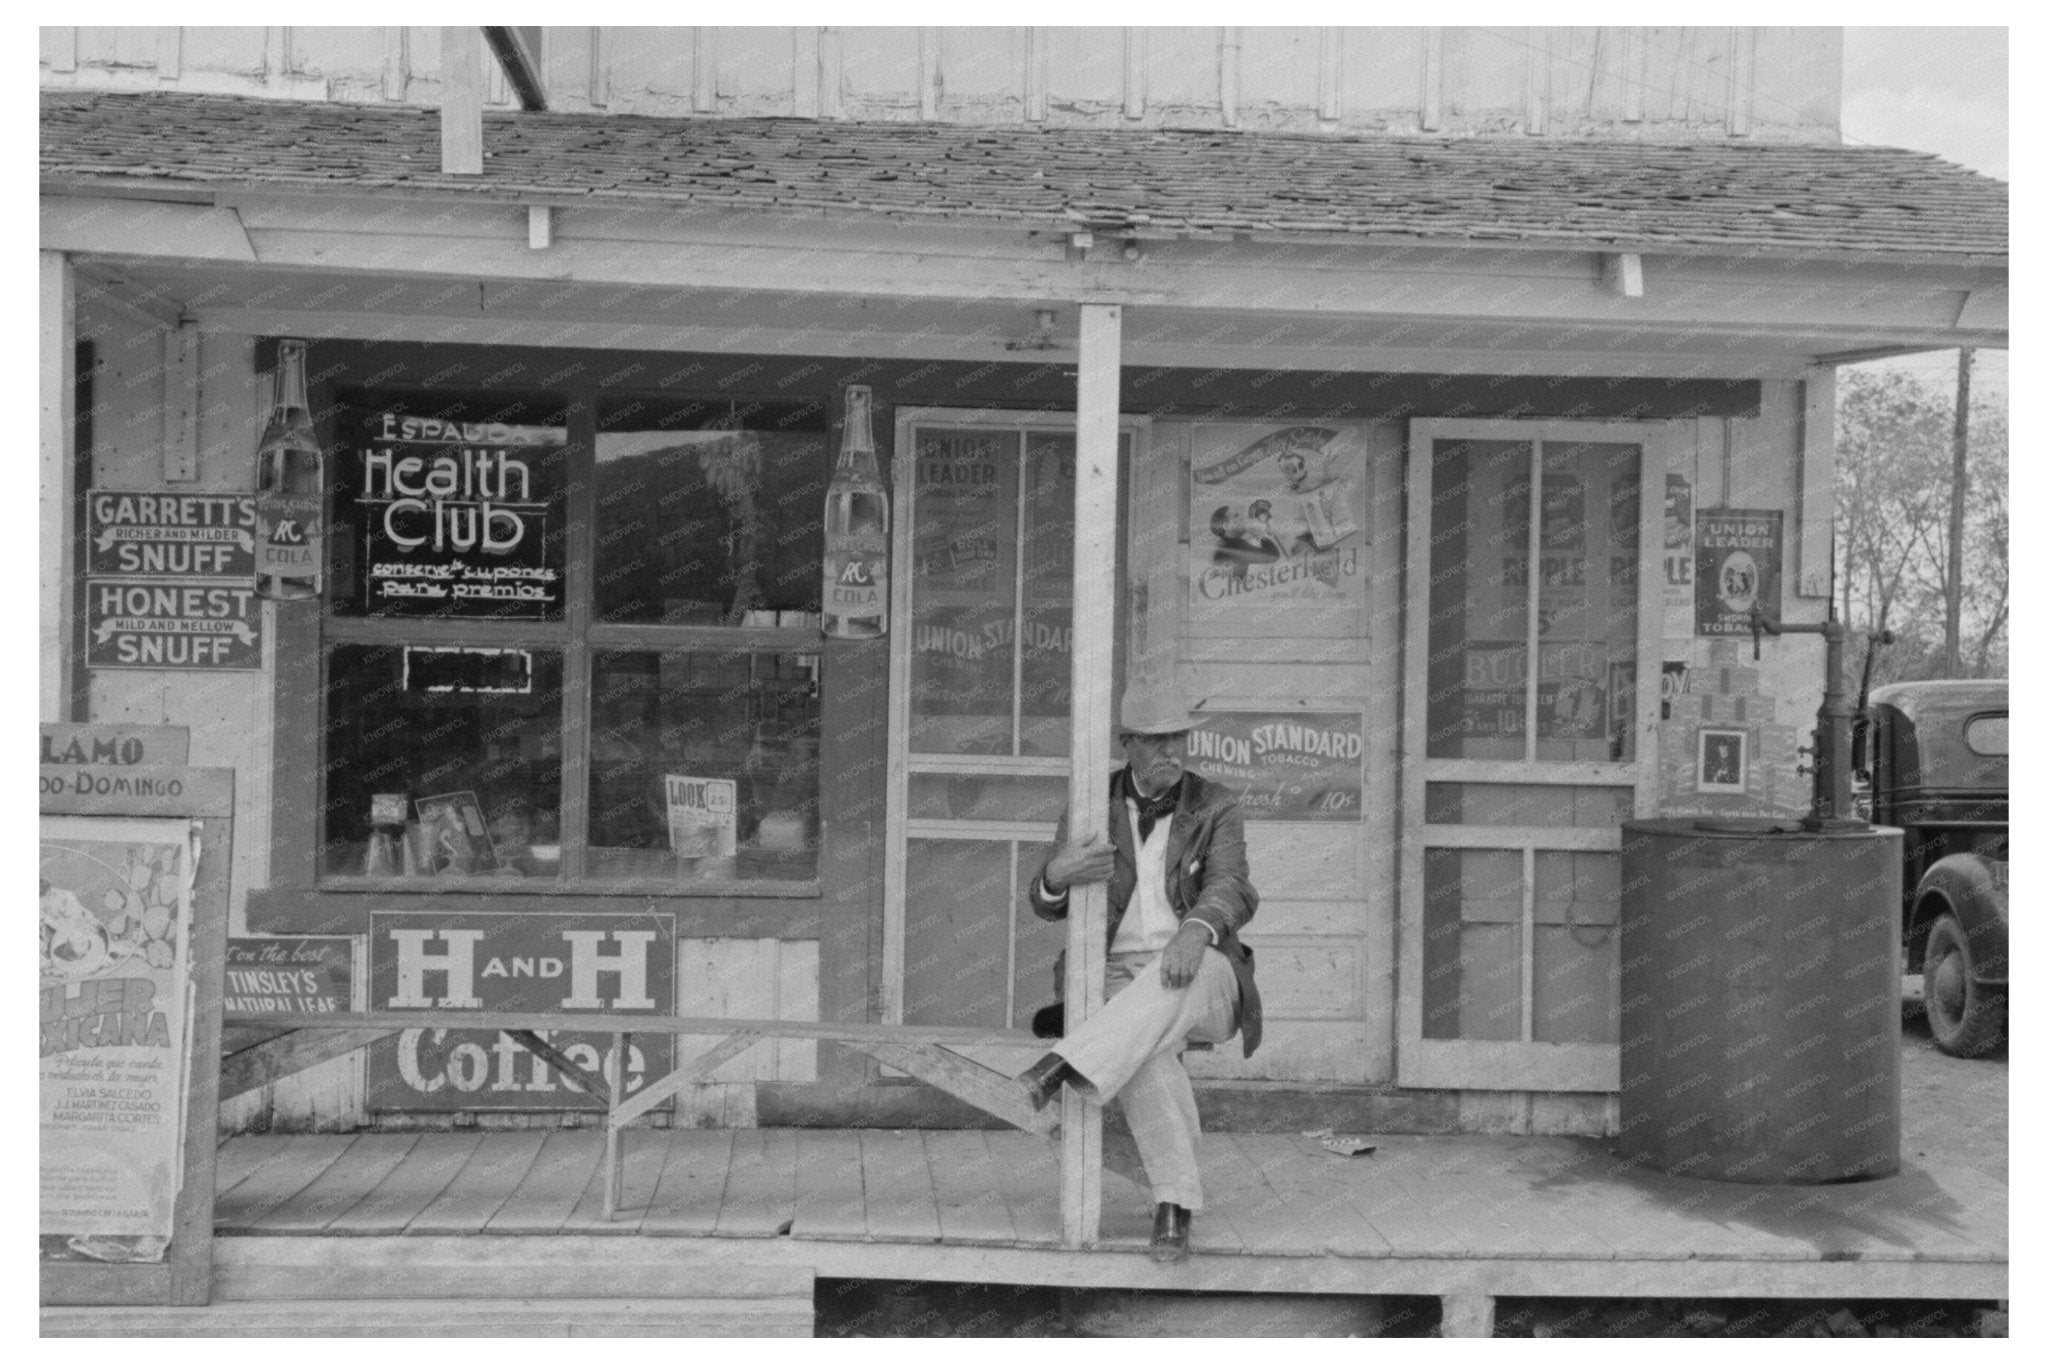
point(1274, 519)
point(1740, 563)
point(113, 971)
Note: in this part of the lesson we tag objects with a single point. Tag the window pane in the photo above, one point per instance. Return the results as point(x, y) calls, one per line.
point(449, 508)
point(1584, 581)
point(1586, 609)
point(703, 767)
point(1048, 571)
point(963, 656)
point(441, 762)
point(1478, 598)
point(706, 512)
point(1577, 969)
point(1472, 944)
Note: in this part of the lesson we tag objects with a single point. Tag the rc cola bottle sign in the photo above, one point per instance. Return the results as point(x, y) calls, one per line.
point(856, 596)
point(289, 499)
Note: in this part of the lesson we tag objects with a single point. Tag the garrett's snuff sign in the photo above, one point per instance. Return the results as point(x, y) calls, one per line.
point(171, 535)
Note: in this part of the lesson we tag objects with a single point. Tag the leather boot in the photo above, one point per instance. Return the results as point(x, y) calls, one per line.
point(1171, 1226)
point(1043, 1080)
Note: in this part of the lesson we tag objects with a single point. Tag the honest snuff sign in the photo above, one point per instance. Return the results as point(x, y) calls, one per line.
point(514, 963)
point(148, 623)
point(171, 535)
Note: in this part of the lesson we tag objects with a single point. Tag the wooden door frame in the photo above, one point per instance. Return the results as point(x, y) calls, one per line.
point(1439, 1063)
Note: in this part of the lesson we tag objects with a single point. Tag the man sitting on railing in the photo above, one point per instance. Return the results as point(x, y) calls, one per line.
point(1177, 973)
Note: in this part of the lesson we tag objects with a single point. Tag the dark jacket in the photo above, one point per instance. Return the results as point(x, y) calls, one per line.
point(1206, 878)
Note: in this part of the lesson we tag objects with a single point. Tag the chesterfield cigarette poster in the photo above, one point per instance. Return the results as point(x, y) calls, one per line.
point(114, 965)
point(1274, 519)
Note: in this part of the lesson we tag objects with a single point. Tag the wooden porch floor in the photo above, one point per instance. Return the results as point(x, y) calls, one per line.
point(1499, 1215)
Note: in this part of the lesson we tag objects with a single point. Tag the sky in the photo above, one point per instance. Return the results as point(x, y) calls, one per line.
point(1940, 90)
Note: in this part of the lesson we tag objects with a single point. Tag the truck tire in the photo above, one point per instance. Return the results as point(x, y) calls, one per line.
point(1966, 1018)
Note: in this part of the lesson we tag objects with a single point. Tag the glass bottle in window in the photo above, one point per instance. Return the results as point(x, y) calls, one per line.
point(856, 588)
point(288, 487)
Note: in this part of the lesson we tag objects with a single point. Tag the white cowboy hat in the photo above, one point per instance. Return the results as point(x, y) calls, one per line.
point(1154, 709)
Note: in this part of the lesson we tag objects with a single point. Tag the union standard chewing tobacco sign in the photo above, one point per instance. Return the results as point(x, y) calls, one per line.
point(1294, 765)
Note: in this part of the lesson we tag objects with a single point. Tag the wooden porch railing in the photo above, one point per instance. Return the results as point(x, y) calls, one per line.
point(926, 1053)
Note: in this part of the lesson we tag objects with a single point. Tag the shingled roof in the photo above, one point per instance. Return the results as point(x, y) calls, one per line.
point(1505, 190)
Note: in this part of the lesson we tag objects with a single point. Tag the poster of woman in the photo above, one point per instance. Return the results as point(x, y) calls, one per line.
point(1273, 517)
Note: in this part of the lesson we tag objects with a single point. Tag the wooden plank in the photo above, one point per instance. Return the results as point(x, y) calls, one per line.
point(900, 1203)
point(1305, 1223)
point(240, 1157)
point(1091, 663)
point(395, 1020)
point(688, 1073)
point(339, 1187)
point(276, 1181)
point(972, 1209)
point(1241, 1207)
point(686, 1202)
point(426, 1171)
point(462, 100)
point(831, 1204)
point(1305, 1174)
point(181, 403)
point(575, 1076)
point(172, 792)
point(791, 1315)
point(1028, 1173)
point(565, 1167)
point(300, 1049)
point(643, 1152)
point(494, 1169)
point(118, 745)
point(760, 1186)
point(969, 1081)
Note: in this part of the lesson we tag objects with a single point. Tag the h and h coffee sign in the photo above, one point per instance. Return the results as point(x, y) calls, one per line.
point(514, 963)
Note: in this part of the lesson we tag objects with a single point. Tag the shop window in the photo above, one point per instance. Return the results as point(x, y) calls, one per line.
point(572, 640)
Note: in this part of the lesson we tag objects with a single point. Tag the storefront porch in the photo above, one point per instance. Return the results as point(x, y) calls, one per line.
point(340, 1233)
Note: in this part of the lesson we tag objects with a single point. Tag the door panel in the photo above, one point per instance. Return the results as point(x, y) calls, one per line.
point(1526, 746)
point(980, 702)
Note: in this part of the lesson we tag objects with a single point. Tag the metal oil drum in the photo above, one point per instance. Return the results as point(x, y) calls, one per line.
point(1760, 969)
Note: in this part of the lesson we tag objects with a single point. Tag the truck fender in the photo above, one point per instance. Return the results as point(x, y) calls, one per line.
point(1974, 889)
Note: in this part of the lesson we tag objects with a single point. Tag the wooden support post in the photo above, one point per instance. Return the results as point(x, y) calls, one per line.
point(1226, 74)
point(181, 403)
point(57, 480)
point(614, 1171)
point(1623, 272)
point(1095, 442)
point(1467, 1314)
point(1431, 114)
point(540, 227)
point(462, 100)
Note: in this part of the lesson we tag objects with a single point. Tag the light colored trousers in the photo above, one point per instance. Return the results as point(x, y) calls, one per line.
point(1131, 1050)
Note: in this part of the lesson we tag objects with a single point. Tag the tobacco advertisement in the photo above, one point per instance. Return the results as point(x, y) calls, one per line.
point(1296, 765)
point(289, 975)
point(1273, 519)
point(1740, 564)
point(115, 910)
